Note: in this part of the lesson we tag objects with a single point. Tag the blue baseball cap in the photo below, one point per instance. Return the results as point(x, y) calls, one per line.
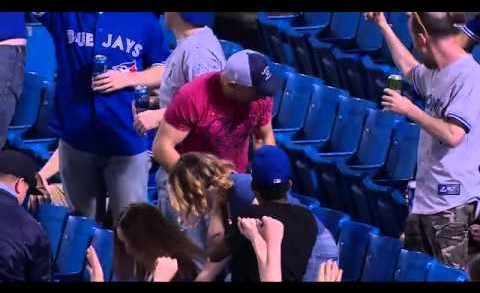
point(252, 69)
point(472, 28)
point(270, 166)
point(199, 18)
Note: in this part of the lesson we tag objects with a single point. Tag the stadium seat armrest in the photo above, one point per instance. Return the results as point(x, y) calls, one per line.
point(371, 185)
point(285, 130)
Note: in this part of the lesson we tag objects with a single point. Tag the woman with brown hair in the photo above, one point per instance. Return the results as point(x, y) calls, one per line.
point(147, 247)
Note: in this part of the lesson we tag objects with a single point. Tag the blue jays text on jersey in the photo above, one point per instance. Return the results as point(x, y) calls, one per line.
point(92, 122)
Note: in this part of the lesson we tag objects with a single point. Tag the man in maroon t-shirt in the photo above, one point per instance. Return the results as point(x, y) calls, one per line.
point(218, 112)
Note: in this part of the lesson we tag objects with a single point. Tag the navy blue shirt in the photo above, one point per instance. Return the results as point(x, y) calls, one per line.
point(92, 122)
point(12, 25)
point(24, 246)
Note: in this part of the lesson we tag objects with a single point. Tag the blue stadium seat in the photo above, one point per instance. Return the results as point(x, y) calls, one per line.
point(343, 144)
point(381, 259)
point(412, 266)
point(301, 49)
point(284, 72)
point(26, 111)
point(70, 259)
point(325, 64)
point(102, 242)
point(332, 219)
point(307, 201)
point(399, 24)
point(369, 158)
point(385, 190)
point(317, 127)
point(442, 273)
point(230, 48)
point(353, 242)
point(295, 102)
point(52, 218)
point(376, 77)
point(265, 24)
point(40, 52)
point(342, 29)
point(311, 21)
point(476, 53)
point(282, 51)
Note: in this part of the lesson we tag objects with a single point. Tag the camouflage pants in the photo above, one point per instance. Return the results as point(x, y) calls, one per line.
point(443, 235)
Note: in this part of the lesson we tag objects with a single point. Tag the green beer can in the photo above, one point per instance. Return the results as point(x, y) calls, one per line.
point(394, 82)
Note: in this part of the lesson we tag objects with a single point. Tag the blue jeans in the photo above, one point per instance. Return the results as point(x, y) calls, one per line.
point(12, 64)
point(324, 249)
point(87, 177)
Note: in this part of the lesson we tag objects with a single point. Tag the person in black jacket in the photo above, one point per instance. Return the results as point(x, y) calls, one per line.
point(24, 246)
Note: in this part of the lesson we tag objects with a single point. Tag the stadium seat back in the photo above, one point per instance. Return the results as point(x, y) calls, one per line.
point(369, 37)
point(402, 156)
point(412, 266)
point(348, 124)
point(52, 218)
point(73, 246)
point(381, 259)
point(316, 18)
point(28, 106)
point(353, 241)
point(376, 136)
point(102, 242)
point(344, 24)
point(284, 72)
point(295, 101)
point(230, 48)
point(322, 111)
point(40, 56)
point(442, 273)
point(332, 219)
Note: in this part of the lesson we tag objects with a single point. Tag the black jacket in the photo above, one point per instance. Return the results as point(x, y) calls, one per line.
point(24, 246)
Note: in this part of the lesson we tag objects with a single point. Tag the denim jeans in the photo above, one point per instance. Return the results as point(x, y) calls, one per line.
point(12, 66)
point(87, 177)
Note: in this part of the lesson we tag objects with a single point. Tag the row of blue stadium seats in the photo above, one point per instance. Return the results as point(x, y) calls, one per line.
point(353, 156)
point(342, 48)
point(69, 237)
point(368, 256)
point(365, 255)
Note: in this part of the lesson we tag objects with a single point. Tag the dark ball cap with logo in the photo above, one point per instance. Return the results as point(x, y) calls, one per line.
point(252, 69)
point(21, 166)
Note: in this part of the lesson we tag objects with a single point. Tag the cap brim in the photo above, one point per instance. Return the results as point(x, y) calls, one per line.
point(270, 87)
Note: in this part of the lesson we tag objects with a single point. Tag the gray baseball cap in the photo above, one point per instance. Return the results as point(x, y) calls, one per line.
point(252, 69)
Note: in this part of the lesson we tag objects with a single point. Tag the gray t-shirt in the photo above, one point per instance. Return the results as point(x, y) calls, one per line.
point(194, 55)
point(448, 177)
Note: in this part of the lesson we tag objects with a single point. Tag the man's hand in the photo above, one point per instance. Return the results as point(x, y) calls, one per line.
point(249, 227)
point(329, 272)
point(378, 18)
point(111, 81)
point(397, 103)
point(146, 120)
point(165, 269)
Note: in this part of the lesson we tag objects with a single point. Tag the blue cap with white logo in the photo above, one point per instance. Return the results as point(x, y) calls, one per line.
point(252, 69)
point(270, 166)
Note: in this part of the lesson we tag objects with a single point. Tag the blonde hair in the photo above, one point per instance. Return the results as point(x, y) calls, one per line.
point(191, 179)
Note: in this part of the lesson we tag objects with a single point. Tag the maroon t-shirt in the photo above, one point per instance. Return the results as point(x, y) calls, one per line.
point(217, 125)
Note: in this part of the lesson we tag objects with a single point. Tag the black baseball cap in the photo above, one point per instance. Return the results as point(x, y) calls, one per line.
point(21, 166)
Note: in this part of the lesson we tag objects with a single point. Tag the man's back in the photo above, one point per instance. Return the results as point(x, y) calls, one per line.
point(24, 247)
point(300, 231)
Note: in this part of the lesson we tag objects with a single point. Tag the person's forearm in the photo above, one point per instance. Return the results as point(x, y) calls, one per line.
point(166, 155)
point(439, 128)
point(52, 166)
point(271, 271)
point(404, 60)
point(150, 77)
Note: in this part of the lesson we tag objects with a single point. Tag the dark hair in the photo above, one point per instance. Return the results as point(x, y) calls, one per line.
point(150, 234)
point(271, 192)
point(437, 24)
point(474, 267)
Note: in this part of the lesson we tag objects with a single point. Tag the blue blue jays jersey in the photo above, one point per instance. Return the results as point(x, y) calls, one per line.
point(89, 121)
